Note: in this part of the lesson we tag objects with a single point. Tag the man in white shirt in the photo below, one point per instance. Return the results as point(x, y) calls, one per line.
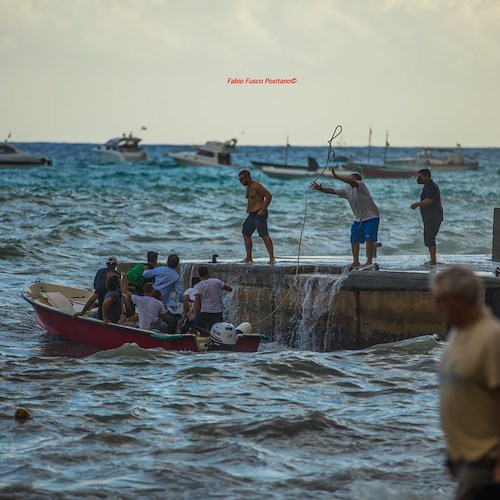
point(188, 306)
point(365, 227)
point(150, 310)
point(208, 295)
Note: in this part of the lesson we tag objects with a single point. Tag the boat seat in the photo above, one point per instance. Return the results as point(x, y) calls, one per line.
point(59, 301)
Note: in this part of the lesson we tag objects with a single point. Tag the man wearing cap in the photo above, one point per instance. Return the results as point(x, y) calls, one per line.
point(365, 227)
point(100, 288)
point(100, 276)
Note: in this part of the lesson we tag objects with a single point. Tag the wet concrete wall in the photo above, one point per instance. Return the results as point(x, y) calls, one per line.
point(321, 309)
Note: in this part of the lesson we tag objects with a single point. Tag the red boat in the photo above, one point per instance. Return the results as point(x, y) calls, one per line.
point(382, 171)
point(55, 305)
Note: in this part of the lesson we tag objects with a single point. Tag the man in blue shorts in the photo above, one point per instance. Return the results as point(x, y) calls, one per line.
point(365, 227)
point(258, 199)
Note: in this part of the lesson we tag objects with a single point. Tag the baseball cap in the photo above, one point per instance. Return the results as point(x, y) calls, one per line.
point(111, 260)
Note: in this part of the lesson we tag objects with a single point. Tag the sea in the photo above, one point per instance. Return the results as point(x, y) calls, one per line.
point(280, 423)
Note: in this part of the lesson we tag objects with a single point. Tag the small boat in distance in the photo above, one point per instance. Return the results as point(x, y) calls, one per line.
point(374, 171)
point(212, 154)
point(124, 148)
point(292, 171)
point(440, 159)
point(285, 170)
point(55, 305)
point(12, 157)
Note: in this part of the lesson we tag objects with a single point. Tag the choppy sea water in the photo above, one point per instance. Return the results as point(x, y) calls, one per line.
point(280, 423)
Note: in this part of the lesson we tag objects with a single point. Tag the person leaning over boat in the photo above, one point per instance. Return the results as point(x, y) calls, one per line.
point(258, 199)
point(365, 227)
point(208, 295)
point(100, 289)
point(469, 376)
point(167, 280)
point(431, 211)
point(102, 274)
point(150, 310)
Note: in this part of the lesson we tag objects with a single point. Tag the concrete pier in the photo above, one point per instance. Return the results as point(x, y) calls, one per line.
point(321, 308)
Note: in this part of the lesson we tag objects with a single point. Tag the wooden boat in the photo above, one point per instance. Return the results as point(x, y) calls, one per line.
point(55, 305)
point(382, 171)
point(291, 171)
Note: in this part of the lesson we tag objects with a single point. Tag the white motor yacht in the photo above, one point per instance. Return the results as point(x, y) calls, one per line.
point(212, 154)
point(12, 157)
point(125, 148)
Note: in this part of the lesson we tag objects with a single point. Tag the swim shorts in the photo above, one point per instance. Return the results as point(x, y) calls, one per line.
point(255, 221)
point(366, 230)
point(431, 228)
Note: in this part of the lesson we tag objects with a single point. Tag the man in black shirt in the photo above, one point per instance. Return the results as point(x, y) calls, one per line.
point(102, 274)
point(431, 211)
point(100, 288)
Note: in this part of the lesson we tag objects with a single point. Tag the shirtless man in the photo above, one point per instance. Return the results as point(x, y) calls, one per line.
point(259, 198)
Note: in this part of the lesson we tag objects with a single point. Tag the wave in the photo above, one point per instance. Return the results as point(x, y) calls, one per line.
point(271, 428)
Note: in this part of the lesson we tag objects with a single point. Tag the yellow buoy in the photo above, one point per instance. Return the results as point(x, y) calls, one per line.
point(22, 414)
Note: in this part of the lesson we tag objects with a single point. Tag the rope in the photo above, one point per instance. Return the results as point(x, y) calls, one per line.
point(329, 158)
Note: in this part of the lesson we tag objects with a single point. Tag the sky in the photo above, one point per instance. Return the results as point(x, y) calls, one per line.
point(426, 71)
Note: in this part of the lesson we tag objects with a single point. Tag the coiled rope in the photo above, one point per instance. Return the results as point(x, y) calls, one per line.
point(329, 158)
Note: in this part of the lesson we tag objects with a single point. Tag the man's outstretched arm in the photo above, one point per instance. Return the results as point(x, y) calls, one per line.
point(345, 179)
point(319, 187)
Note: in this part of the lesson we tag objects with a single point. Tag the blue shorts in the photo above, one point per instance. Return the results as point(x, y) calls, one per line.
point(364, 231)
point(255, 221)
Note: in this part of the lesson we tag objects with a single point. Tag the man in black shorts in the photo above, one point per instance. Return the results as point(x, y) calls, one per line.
point(258, 199)
point(431, 210)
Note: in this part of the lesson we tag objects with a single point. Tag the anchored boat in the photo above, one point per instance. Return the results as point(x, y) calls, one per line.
point(12, 157)
point(212, 154)
point(55, 305)
point(291, 171)
point(125, 148)
point(440, 159)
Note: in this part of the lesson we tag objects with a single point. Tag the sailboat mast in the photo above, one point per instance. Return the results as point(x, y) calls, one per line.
point(286, 150)
point(386, 145)
point(369, 145)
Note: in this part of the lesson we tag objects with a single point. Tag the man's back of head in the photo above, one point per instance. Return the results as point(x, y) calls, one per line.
point(203, 272)
point(152, 257)
point(173, 260)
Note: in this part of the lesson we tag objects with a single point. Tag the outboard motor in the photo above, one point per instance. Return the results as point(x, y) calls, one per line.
point(223, 336)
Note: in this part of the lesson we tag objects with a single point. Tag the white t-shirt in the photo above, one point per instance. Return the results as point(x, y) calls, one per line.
point(192, 296)
point(149, 310)
point(190, 292)
point(210, 291)
point(361, 201)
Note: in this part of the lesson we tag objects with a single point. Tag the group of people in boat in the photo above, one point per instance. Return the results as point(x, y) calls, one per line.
point(150, 296)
